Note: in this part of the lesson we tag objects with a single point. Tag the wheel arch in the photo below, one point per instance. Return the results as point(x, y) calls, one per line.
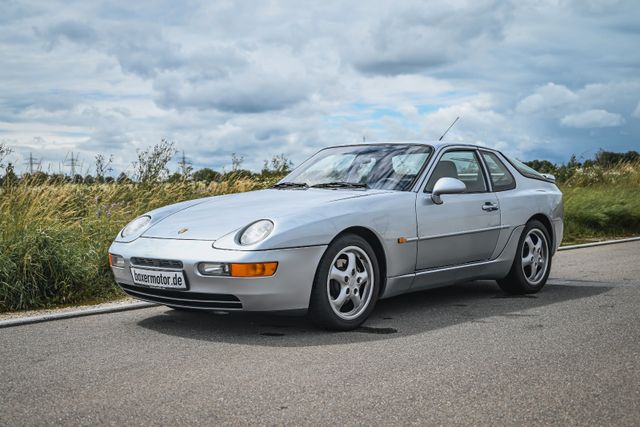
point(547, 224)
point(375, 242)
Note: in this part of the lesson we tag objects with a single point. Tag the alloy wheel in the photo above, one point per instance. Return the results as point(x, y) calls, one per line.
point(350, 282)
point(535, 256)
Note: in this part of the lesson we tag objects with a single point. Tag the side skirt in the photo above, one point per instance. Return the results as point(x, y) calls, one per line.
point(443, 276)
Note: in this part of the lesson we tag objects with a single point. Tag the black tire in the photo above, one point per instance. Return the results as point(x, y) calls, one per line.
point(321, 311)
point(516, 282)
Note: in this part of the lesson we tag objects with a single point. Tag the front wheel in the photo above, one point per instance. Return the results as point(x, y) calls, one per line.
point(532, 262)
point(346, 286)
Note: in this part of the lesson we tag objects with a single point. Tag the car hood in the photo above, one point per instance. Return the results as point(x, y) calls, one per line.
point(220, 215)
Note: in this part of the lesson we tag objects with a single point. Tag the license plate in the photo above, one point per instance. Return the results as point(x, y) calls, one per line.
point(158, 278)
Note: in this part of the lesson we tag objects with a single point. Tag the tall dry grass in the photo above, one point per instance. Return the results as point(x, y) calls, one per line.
point(602, 202)
point(54, 238)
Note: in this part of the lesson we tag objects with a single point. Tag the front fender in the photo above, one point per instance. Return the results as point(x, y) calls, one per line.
point(389, 216)
point(308, 228)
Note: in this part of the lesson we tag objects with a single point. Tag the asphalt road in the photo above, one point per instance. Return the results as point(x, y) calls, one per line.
point(460, 355)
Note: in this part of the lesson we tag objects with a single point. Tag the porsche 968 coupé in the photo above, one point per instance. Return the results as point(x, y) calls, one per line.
point(351, 225)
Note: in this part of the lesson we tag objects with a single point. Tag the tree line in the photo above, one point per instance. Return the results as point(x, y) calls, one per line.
point(150, 166)
point(603, 159)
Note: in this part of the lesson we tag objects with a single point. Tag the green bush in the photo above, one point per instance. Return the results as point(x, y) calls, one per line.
point(601, 212)
point(602, 202)
point(45, 266)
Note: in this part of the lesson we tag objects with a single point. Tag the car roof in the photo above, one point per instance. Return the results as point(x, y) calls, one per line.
point(435, 144)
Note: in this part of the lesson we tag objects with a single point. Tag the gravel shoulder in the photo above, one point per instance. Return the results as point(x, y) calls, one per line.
point(52, 311)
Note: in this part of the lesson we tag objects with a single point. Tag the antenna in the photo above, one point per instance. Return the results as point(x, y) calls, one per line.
point(445, 132)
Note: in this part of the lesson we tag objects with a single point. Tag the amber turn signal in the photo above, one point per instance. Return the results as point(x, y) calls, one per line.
point(116, 260)
point(258, 269)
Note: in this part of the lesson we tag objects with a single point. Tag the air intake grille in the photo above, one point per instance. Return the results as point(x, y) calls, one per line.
point(159, 263)
point(184, 298)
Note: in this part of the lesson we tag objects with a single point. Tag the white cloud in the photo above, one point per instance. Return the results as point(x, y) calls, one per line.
point(592, 119)
point(415, 38)
point(259, 78)
point(546, 97)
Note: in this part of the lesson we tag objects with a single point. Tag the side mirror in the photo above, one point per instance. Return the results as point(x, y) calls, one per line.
point(446, 186)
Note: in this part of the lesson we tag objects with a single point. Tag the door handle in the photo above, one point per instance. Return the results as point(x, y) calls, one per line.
point(490, 207)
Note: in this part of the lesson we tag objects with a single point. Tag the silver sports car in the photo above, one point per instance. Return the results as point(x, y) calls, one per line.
point(349, 226)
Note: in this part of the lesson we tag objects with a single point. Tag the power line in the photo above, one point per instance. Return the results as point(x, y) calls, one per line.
point(72, 162)
point(185, 164)
point(33, 162)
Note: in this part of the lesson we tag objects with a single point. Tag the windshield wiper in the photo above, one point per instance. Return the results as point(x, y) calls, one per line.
point(291, 185)
point(340, 184)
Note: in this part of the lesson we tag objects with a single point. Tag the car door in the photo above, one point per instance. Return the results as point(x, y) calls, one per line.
point(466, 226)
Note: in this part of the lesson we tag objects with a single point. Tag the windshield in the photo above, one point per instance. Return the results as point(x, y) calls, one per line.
point(390, 167)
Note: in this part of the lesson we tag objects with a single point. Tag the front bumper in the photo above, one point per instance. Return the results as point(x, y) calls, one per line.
point(288, 289)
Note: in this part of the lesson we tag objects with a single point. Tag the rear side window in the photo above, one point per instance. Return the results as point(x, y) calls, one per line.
point(501, 178)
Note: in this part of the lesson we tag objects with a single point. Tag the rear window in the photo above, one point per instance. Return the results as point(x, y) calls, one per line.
point(525, 170)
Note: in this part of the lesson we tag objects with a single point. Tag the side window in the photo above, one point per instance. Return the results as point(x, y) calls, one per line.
point(463, 165)
point(501, 178)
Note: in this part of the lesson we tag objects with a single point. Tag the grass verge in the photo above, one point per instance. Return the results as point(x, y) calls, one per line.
point(54, 237)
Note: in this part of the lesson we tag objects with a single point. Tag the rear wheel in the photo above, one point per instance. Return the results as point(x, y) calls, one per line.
point(346, 285)
point(532, 262)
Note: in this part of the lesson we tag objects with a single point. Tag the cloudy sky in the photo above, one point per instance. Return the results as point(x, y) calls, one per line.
point(538, 79)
